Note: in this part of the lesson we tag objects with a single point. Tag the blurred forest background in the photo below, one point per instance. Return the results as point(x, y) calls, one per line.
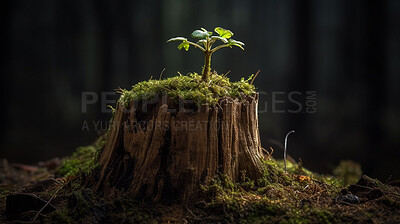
point(346, 51)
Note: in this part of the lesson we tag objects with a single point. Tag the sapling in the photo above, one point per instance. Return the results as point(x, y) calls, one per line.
point(205, 44)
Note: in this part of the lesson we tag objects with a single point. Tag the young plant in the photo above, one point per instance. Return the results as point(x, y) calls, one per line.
point(205, 44)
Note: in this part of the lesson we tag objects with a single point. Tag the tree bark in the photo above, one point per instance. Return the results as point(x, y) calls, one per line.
point(155, 152)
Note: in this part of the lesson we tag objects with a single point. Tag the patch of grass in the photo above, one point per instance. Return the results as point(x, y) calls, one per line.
point(189, 87)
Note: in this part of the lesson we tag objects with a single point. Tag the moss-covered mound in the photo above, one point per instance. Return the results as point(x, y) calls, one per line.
point(189, 87)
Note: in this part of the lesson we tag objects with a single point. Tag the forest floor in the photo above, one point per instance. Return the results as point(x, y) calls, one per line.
point(39, 194)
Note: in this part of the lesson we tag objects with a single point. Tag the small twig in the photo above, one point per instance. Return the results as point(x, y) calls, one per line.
point(387, 180)
point(317, 194)
point(119, 90)
point(251, 83)
point(180, 74)
point(346, 203)
point(194, 216)
point(272, 151)
point(284, 153)
point(162, 73)
point(226, 73)
point(369, 188)
point(265, 152)
point(268, 153)
point(48, 202)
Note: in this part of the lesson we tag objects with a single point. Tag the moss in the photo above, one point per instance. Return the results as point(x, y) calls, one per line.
point(348, 172)
point(189, 87)
point(101, 142)
point(309, 215)
point(277, 197)
point(61, 216)
point(324, 216)
point(84, 206)
point(82, 160)
point(295, 168)
point(6, 190)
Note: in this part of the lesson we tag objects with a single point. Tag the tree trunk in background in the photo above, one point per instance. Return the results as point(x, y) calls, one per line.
point(154, 152)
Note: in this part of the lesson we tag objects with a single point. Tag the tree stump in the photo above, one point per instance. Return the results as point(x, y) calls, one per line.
point(155, 151)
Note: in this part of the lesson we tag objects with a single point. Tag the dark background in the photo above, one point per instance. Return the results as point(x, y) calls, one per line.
point(346, 51)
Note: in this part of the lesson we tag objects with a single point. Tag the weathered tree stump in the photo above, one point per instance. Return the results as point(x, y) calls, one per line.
point(154, 151)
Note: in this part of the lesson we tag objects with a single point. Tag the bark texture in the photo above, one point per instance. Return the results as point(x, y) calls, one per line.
point(154, 151)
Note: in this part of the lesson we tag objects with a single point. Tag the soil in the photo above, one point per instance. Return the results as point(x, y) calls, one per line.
point(34, 194)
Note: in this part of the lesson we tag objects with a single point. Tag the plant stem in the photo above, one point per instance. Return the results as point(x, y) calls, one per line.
point(284, 152)
point(198, 46)
point(219, 47)
point(207, 65)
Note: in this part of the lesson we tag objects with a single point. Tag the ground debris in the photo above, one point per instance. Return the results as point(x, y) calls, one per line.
point(278, 197)
point(23, 202)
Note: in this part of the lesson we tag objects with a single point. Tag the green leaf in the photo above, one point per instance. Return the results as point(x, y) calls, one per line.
point(219, 38)
point(209, 33)
point(236, 43)
point(185, 45)
point(202, 42)
point(223, 32)
point(176, 39)
point(200, 34)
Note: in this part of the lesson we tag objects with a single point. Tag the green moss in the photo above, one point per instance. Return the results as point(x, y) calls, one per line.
point(348, 172)
point(84, 206)
point(274, 198)
point(309, 215)
point(189, 87)
point(60, 216)
point(277, 197)
point(82, 160)
point(295, 168)
point(6, 190)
